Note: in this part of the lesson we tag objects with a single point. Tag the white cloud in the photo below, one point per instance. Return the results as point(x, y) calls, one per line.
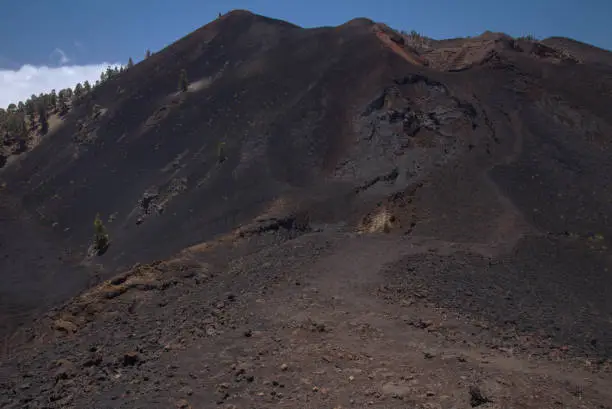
point(63, 58)
point(19, 85)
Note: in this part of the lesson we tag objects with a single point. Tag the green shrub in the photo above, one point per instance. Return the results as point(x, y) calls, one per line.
point(101, 240)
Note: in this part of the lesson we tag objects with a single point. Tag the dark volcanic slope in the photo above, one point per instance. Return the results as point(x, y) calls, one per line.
point(478, 140)
point(278, 96)
point(281, 98)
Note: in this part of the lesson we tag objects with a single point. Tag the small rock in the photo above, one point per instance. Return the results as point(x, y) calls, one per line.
point(421, 324)
point(93, 360)
point(65, 369)
point(131, 358)
point(476, 397)
point(187, 390)
point(407, 302)
point(64, 326)
point(429, 355)
point(396, 390)
point(284, 367)
point(225, 396)
point(183, 404)
point(248, 333)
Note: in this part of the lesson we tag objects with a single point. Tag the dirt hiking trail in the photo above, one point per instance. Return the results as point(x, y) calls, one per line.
point(332, 331)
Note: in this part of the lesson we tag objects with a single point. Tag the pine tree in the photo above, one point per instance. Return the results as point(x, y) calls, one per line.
point(22, 128)
point(62, 106)
point(53, 99)
point(78, 91)
point(100, 236)
point(130, 63)
point(42, 118)
point(148, 54)
point(30, 109)
point(43, 99)
point(87, 86)
point(183, 83)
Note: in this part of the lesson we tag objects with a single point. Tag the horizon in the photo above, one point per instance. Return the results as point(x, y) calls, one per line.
point(75, 50)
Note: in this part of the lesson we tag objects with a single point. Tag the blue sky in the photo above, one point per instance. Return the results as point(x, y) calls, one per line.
point(88, 32)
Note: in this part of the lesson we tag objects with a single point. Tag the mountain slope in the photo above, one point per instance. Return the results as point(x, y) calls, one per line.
point(146, 138)
point(354, 175)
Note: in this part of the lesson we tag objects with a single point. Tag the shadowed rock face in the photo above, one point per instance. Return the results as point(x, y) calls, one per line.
point(470, 140)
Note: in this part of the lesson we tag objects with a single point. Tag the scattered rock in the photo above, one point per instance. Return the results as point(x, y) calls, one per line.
point(187, 390)
point(65, 369)
point(476, 397)
point(284, 367)
point(65, 326)
point(398, 391)
point(93, 360)
point(421, 324)
point(131, 358)
point(183, 404)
